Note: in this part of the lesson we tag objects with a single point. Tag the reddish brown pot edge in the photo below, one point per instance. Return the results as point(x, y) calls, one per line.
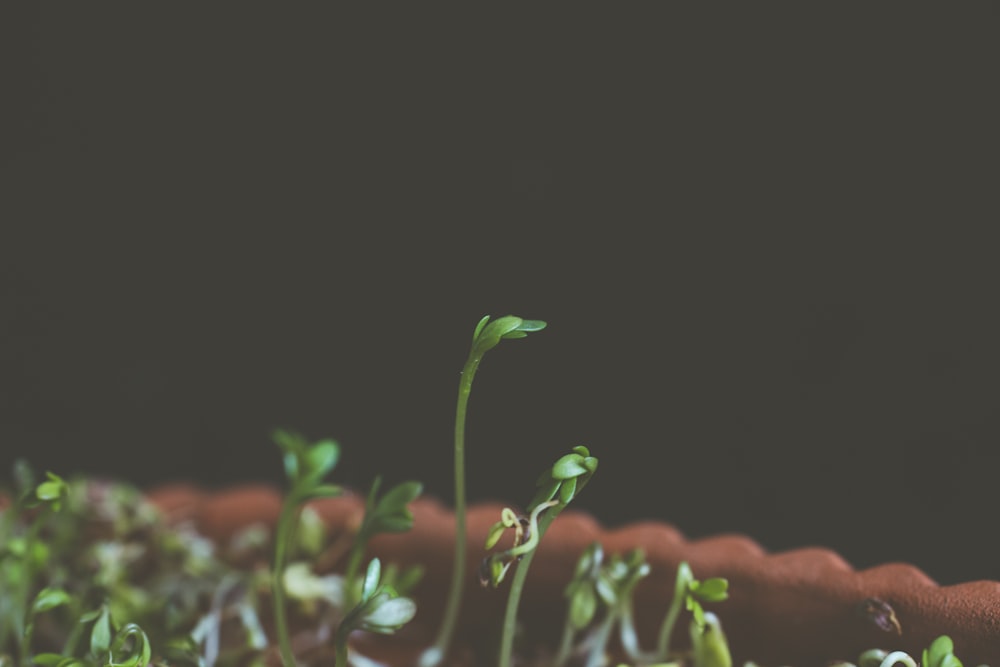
point(796, 607)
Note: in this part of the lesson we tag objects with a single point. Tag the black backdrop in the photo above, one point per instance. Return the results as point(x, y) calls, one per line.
point(758, 236)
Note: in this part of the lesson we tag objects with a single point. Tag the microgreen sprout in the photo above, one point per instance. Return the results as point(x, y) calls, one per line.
point(380, 609)
point(615, 584)
point(690, 593)
point(709, 647)
point(24, 555)
point(306, 465)
point(485, 337)
point(941, 653)
point(556, 487)
point(386, 514)
point(127, 647)
point(581, 592)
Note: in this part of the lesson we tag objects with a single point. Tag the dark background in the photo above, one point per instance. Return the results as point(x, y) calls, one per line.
point(758, 236)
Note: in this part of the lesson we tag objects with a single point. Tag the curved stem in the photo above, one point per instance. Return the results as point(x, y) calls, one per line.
point(667, 629)
point(897, 657)
point(286, 522)
point(516, 587)
point(436, 653)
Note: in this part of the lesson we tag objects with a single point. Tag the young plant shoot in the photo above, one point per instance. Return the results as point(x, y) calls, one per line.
point(91, 575)
point(380, 609)
point(305, 466)
point(556, 488)
point(485, 337)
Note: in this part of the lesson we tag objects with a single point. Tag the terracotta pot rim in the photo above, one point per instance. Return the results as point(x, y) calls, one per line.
point(797, 606)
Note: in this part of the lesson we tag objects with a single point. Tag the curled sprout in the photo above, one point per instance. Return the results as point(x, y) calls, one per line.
point(494, 567)
point(555, 489)
point(939, 654)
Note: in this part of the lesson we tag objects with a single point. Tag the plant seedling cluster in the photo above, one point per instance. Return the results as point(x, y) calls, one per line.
point(91, 575)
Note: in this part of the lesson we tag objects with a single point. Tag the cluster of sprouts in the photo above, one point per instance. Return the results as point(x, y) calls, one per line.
point(91, 575)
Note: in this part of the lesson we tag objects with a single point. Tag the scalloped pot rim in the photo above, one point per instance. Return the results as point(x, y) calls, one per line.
point(796, 607)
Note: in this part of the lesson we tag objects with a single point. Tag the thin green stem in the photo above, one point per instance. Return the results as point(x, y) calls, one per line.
point(436, 653)
point(667, 629)
point(595, 656)
point(565, 643)
point(516, 588)
point(341, 646)
point(286, 523)
point(351, 573)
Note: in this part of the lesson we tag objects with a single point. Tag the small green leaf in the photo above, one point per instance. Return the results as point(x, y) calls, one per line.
point(401, 495)
point(710, 590)
point(130, 648)
point(320, 491)
point(388, 615)
point(479, 327)
point(582, 606)
point(409, 577)
point(321, 458)
point(589, 560)
point(390, 514)
point(100, 634)
point(49, 598)
point(52, 489)
point(294, 446)
point(569, 466)
point(529, 326)
point(311, 532)
point(56, 660)
point(567, 490)
point(940, 653)
point(372, 576)
point(49, 659)
point(488, 336)
point(495, 533)
point(607, 590)
point(547, 488)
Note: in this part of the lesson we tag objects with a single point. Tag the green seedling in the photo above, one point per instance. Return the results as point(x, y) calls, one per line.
point(709, 647)
point(581, 596)
point(556, 488)
point(615, 586)
point(485, 337)
point(24, 556)
point(941, 653)
point(109, 645)
point(386, 514)
point(690, 593)
point(612, 585)
point(380, 609)
point(306, 466)
point(73, 596)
